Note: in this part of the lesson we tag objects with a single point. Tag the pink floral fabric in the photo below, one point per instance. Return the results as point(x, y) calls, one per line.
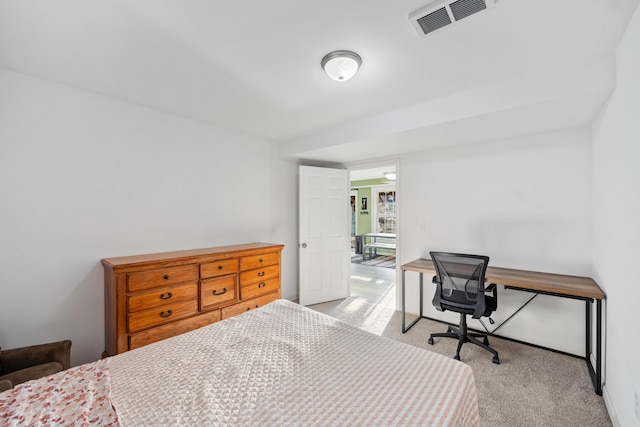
point(79, 396)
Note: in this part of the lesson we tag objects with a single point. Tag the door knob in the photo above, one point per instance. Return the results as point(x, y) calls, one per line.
point(304, 245)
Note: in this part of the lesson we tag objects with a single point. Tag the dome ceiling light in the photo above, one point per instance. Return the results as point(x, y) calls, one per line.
point(341, 65)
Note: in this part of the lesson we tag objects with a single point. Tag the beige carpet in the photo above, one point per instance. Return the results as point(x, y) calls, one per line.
point(530, 387)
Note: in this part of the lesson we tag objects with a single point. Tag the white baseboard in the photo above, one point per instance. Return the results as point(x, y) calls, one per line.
point(610, 409)
point(607, 399)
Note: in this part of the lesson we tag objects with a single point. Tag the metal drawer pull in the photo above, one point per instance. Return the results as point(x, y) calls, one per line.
point(262, 273)
point(166, 314)
point(249, 308)
point(165, 277)
point(166, 296)
point(220, 267)
point(260, 260)
point(261, 285)
point(215, 291)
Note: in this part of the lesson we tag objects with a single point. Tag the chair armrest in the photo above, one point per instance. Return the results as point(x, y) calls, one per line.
point(16, 359)
point(5, 385)
point(493, 288)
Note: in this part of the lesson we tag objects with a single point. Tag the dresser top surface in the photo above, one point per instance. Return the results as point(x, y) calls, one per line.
point(235, 250)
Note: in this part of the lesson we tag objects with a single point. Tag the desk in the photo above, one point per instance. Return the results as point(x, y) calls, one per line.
point(574, 287)
point(388, 242)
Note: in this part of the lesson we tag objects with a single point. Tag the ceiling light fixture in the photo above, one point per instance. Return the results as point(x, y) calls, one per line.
point(391, 176)
point(341, 65)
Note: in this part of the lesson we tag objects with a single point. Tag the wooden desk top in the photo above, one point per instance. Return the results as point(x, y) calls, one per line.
point(533, 280)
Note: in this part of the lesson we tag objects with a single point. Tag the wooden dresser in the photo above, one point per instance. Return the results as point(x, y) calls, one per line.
point(152, 297)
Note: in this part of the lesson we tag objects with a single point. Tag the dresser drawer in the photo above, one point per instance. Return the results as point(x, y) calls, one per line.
point(162, 277)
point(218, 268)
point(172, 329)
point(159, 315)
point(263, 287)
point(248, 305)
point(214, 292)
point(257, 261)
point(162, 296)
point(259, 275)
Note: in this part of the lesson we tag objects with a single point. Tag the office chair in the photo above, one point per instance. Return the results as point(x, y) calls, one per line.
point(460, 280)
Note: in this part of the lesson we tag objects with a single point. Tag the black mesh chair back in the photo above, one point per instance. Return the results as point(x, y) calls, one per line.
point(460, 280)
point(460, 288)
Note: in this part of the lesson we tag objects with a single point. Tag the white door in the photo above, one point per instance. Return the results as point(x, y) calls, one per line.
point(324, 245)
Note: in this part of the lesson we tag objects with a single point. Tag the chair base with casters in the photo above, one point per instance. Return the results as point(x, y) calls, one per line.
point(462, 334)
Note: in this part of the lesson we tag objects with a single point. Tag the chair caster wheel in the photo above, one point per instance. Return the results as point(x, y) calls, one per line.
point(430, 340)
point(496, 360)
point(457, 357)
point(486, 341)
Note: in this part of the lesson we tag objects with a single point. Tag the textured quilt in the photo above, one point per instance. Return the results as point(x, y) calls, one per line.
point(287, 365)
point(284, 365)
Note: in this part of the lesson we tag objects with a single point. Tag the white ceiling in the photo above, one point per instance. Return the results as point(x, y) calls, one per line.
point(254, 66)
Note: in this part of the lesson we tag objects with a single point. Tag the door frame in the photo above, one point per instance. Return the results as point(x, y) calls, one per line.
point(395, 162)
point(355, 214)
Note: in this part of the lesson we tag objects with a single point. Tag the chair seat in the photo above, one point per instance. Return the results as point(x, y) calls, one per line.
point(490, 303)
point(32, 373)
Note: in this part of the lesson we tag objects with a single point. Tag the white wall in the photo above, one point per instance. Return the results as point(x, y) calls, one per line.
point(284, 221)
point(525, 202)
point(616, 227)
point(84, 177)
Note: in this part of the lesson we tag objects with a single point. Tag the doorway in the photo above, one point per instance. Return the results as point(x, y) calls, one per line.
point(374, 233)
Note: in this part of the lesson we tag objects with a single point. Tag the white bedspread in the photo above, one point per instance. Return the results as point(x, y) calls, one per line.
point(287, 365)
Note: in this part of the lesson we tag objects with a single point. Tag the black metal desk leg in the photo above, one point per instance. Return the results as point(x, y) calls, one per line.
point(599, 347)
point(403, 309)
point(587, 340)
point(595, 373)
point(405, 329)
point(421, 294)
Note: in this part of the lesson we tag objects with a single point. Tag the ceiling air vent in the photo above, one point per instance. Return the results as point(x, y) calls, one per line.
point(440, 15)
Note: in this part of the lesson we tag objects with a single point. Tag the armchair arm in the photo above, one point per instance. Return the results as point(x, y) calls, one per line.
point(24, 357)
point(5, 385)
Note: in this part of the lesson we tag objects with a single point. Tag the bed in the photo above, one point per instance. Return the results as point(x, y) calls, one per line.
point(282, 364)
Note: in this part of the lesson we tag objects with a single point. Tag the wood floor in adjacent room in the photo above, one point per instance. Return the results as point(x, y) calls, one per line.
point(375, 285)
